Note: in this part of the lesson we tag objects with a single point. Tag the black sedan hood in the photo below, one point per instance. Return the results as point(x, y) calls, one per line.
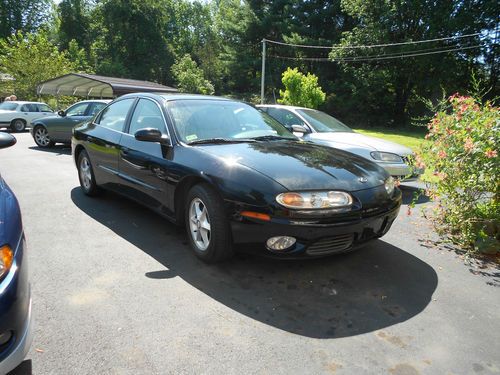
point(300, 165)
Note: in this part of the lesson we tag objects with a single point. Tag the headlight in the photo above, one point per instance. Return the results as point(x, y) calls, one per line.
point(386, 156)
point(315, 199)
point(390, 184)
point(6, 259)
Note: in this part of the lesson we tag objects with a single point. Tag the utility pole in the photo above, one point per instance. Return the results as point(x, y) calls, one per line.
point(263, 72)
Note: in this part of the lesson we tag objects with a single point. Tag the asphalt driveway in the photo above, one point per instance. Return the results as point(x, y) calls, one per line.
point(117, 291)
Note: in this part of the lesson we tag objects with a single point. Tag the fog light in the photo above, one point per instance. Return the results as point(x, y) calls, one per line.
point(280, 243)
point(5, 337)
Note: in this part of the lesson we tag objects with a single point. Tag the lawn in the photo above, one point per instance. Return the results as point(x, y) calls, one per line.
point(410, 137)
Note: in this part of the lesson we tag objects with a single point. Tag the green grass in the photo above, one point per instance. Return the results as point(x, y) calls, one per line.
point(409, 137)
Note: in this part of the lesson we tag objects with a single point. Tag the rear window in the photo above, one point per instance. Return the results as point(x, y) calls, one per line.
point(8, 106)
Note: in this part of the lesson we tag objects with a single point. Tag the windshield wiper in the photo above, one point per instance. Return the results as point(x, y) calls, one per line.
point(272, 138)
point(220, 140)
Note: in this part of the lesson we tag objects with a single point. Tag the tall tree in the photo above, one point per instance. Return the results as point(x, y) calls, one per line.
point(389, 87)
point(131, 39)
point(22, 15)
point(75, 21)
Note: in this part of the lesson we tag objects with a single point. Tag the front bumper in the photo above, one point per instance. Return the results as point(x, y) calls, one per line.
point(15, 312)
point(401, 171)
point(313, 239)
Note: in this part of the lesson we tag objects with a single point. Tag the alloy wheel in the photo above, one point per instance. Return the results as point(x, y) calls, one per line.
point(42, 137)
point(199, 224)
point(85, 173)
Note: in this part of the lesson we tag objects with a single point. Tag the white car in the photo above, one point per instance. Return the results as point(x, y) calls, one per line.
point(319, 127)
point(18, 115)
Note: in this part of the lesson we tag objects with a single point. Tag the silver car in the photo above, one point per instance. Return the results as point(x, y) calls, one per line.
point(319, 127)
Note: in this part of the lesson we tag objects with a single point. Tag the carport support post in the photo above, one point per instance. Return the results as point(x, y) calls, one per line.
point(263, 72)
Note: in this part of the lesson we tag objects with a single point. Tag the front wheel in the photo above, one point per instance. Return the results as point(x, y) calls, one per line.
point(18, 125)
point(86, 175)
point(207, 226)
point(41, 136)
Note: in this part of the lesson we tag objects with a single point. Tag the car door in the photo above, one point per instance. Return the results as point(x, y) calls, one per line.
point(102, 139)
point(60, 129)
point(29, 112)
point(143, 165)
point(43, 111)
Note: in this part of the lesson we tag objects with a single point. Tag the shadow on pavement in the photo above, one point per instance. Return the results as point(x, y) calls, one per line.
point(25, 368)
point(410, 192)
point(56, 149)
point(375, 287)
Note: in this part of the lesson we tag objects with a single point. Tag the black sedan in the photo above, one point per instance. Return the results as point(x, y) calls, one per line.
point(237, 179)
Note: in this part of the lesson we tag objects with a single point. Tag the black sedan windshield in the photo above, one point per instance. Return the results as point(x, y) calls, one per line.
point(323, 123)
point(199, 121)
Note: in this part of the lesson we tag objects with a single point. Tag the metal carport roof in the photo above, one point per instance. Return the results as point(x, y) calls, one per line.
point(90, 85)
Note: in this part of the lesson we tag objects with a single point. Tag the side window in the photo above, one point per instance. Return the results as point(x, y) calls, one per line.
point(44, 108)
point(77, 109)
point(114, 116)
point(287, 118)
point(146, 115)
point(96, 107)
point(29, 108)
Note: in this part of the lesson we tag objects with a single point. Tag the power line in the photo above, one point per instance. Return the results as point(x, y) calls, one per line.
point(373, 58)
point(371, 45)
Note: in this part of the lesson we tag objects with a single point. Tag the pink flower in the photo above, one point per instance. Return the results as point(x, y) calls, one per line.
point(469, 145)
point(442, 154)
point(491, 153)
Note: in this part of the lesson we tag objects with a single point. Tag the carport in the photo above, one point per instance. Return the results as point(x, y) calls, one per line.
point(94, 86)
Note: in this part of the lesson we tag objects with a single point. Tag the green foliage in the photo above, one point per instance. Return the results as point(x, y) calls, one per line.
point(30, 59)
point(463, 156)
point(189, 77)
point(75, 19)
point(22, 15)
point(385, 92)
point(301, 90)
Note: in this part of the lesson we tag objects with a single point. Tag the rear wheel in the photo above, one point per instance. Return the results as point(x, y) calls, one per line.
point(18, 125)
point(207, 226)
point(41, 137)
point(86, 175)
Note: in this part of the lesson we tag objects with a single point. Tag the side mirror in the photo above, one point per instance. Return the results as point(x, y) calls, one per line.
point(151, 135)
point(299, 130)
point(61, 113)
point(7, 140)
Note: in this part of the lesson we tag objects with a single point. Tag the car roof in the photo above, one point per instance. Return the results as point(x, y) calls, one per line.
point(172, 97)
point(23, 102)
point(105, 101)
point(280, 106)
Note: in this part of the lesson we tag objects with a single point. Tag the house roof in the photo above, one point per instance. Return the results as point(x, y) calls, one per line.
point(90, 85)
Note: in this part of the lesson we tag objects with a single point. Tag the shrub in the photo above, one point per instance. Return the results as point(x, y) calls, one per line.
point(462, 156)
point(190, 77)
point(301, 90)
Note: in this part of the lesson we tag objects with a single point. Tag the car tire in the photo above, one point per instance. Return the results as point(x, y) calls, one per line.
point(86, 175)
point(207, 226)
point(41, 137)
point(18, 125)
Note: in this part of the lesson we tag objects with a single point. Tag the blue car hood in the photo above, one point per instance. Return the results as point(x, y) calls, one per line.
point(10, 216)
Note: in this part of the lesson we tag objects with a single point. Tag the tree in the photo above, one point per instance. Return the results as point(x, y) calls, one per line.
point(22, 15)
point(189, 77)
point(31, 59)
point(74, 25)
point(301, 90)
point(389, 88)
point(131, 38)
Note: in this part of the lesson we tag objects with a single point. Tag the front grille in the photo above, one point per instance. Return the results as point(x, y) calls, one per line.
point(330, 245)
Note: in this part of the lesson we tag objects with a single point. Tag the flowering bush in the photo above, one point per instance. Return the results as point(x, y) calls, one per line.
point(462, 156)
